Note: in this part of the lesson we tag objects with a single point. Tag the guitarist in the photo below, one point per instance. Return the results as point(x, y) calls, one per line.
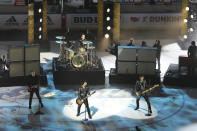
point(82, 93)
point(141, 86)
point(33, 87)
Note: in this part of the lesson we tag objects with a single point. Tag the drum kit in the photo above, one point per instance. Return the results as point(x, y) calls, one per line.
point(76, 54)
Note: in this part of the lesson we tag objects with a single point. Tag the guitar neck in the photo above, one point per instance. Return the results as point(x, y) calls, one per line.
point(150, 89)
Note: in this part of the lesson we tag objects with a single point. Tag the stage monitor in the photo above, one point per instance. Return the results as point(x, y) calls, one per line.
point(126, 67)
point(16, 54)
point(126, 53)
point(16, 69)
point(146, 54)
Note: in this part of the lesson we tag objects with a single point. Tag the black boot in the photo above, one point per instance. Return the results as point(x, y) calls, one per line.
point(41, 105)
point(149, 113)
point(29, 106)
point(136, 108)
point(78, 114)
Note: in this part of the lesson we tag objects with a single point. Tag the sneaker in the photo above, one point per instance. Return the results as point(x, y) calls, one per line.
point(78, 114)
point(136, 108)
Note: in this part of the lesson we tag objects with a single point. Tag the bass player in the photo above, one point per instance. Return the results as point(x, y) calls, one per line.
point(33, 87)
point(83, 93)
point(141, 86)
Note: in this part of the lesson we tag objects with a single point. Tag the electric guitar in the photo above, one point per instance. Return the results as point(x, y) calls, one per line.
point(143, 92)
point(80, 101)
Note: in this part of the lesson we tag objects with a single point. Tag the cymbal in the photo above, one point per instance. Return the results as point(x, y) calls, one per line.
point(87, 42)
point(90, 48)
point(61, 42)
point(60, 37)
point(68, 49)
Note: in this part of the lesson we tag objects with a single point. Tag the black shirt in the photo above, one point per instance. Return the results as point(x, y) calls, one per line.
point(140, 86)
point(33, 80)
point(158, 49)
point(83, 92)
point(192, 51)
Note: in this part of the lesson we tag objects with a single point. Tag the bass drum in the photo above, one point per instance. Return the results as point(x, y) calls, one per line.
point(78, 61)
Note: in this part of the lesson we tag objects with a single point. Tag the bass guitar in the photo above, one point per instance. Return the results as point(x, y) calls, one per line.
point(143, 92)
point(80, 101)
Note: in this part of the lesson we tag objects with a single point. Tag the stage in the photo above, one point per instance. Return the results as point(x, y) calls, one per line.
point(112, 108)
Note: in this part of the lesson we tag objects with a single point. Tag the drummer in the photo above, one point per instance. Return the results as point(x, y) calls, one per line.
point(83, 38)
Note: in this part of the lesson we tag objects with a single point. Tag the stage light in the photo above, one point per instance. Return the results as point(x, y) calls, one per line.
point(108, 18)
point(185, 20)
point(40, 19)
point(40, 37)
point(108, 10)
point(108, 27)
point(40, 28)
point(39, 10)
point(191, 29)
point(185, 36)
point(192, 16)
point(187, 8)
point(106, 36)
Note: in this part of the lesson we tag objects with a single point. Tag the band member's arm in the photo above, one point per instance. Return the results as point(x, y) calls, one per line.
point(137, 89)
point(88, 90)
point(79, 93)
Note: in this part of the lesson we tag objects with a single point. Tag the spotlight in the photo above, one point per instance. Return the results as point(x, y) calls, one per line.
point(185, 36)
point(108, 27)
point(40, 37)
point(40, 28)
point(192, 16)
point(39, 10)
point(108, 18)
point(187, 8)
point(191, 29)
point(185, 20)
point(106, 36)
point(108, 10)
point(40, 19)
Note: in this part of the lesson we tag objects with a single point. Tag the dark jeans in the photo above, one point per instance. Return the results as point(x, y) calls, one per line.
point(34, 90)
point(147, 101)
point(87, 107)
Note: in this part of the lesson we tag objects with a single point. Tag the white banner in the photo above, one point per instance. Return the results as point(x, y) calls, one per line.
point(7, 2)
point(151, 20)
point(21, 21)
point(81, 20)
point(127, 20)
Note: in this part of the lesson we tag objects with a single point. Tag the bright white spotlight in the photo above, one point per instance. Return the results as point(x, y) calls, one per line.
point(187, 8)
point(108, 10)
point(40, 19)
point(106, 36)
point(185, 20)
point(108, 18)
point(40, 28)
point(191, 29)
point(192, 16)
point(185, 36)
point(108, 27)
point(39, 10)
point(40, 37)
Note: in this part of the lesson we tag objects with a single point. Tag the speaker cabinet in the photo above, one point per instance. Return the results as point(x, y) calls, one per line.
point(126, 67)
point(32, 66)
point(126, 53)
point(146, 54)
point(16, 54)
point(32, 53)
point(146, 68)
point(16, 69)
